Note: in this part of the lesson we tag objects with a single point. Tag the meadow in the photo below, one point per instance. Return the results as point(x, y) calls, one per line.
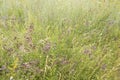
point(59, 40)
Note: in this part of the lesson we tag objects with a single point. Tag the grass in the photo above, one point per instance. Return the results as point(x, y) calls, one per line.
point(59, 40)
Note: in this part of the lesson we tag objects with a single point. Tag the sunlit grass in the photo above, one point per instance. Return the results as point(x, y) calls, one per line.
point(59, 40)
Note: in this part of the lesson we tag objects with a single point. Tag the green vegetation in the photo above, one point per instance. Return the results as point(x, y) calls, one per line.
point(59, 39)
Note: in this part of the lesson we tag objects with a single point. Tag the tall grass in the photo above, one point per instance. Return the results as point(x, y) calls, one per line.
point(59, 40)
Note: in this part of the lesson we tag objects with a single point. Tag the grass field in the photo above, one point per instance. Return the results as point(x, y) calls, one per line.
point(59, 40)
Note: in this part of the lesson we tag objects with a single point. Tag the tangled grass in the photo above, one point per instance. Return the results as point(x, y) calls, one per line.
point(59, 40)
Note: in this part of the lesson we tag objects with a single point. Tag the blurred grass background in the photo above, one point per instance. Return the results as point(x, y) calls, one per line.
point(59, 39)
